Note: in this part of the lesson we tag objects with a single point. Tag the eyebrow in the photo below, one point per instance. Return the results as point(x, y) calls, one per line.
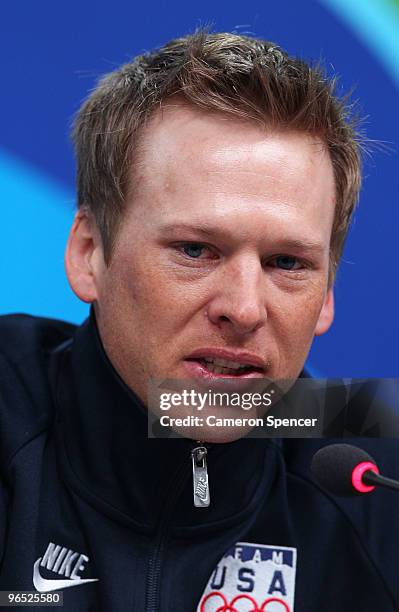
point(204, 229)
point(208, 231)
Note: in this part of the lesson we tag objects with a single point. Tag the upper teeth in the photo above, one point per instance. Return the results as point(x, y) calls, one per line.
point(234, 365)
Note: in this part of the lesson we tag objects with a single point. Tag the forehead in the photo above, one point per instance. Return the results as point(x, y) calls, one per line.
point(191, 161)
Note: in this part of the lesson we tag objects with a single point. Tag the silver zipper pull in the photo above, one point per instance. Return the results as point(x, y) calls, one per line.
point(200, 477)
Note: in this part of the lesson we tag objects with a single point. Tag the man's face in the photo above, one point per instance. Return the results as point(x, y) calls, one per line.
point(224, 245)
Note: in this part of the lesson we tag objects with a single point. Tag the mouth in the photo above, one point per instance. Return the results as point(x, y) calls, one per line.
point(219, 363)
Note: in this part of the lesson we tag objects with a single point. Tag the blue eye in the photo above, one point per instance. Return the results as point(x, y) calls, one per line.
point(285, 262)
point(193, 250)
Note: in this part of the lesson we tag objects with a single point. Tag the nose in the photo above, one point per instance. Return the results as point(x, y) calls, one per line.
point(239, 302)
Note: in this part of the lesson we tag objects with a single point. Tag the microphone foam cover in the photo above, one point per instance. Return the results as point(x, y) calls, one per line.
point(332, 467)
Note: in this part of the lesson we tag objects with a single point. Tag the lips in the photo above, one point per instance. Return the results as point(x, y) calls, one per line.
point(214, 363)
point(224, 366)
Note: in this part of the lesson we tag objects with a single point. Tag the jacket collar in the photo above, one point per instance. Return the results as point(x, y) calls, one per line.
point(108, 458)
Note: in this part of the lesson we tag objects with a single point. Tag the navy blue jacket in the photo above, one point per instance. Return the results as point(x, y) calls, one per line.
point(86, 499)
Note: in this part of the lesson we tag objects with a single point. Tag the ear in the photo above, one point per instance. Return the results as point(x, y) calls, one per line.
point(84, 257)
point(326, 315)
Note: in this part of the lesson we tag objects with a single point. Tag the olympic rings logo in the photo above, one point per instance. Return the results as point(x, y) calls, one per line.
point(230, 607)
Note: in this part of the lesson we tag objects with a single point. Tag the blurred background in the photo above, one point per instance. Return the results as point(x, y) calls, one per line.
point(53, 53)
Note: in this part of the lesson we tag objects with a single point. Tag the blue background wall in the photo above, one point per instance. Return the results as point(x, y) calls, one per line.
point(51, 55)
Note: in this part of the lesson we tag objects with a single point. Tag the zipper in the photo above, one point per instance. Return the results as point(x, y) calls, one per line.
point(198, 455)
point(200, 476)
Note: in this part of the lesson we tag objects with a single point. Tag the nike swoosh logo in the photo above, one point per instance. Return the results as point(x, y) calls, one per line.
point(44, 586)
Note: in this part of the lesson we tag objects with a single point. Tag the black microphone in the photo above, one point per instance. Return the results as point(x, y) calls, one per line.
point(348, 470)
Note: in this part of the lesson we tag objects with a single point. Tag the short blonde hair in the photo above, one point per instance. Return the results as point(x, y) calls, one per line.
point(245, 77)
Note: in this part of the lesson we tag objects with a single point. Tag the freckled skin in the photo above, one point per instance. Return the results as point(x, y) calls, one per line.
point(258, 188)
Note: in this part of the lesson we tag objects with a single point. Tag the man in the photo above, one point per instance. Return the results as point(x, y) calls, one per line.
point(216, 182)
